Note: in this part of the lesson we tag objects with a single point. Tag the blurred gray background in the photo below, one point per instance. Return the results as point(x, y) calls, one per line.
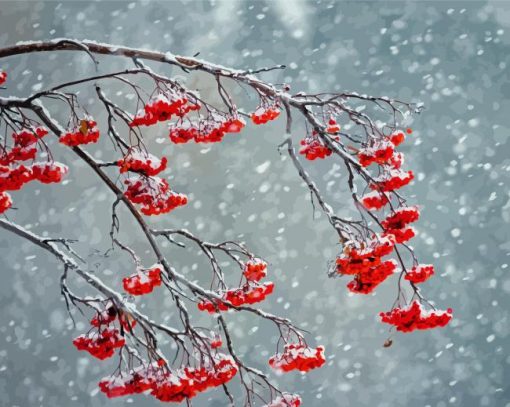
point(451, 55)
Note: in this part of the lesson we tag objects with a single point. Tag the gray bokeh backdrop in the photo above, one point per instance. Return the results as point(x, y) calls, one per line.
point(451, 55)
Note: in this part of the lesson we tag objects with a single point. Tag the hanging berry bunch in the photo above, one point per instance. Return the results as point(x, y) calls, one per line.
point(209, 129)
point(25, 145)
point(137, 160)
point(313, 148)
point(164, 106)
point(85, 132)
point(266, 111)
point(143, 281)
point(153, 194)
point(297, 356)
point(415, 317)
point(100, 343)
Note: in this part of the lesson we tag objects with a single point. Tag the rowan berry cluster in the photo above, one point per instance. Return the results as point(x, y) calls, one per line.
point(250, 293)
point(380, 152)
point(286, 400)
point(365, 283)
point(141, 162)
point(255, 269)
point(401, 217)
point(420, 273)
point(14, 175)
point(3, 77)
point(13, 179)
point(86, 133)
point(163, 107)
point(207, 130)
point(24, 146)
point(188, 382)
point(401, 235)
point(153, 194)
point(215, 342)
point(171, 385)
point(360, 257)
point(137, 381)
point(375, 200)
point(100, 343)
point(333, 127)
point(415, 317)
point(265, 113)
point(391, 180)
point(143, 281)
point(364, 261)
point(313, 148)
point(297, 356)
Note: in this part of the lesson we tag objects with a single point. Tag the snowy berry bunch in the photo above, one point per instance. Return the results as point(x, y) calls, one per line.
point(143, 281)
point(297, 356)
point(18, 165)
point(84, 133)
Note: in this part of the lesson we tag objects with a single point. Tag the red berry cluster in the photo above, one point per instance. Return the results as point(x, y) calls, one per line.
point(136, 382)
point(420, 273)
point(49, 172)
point(365, 283)
point(297, 356)
point(205, 131)
point(313, 148)
point(100, 343)
point(249, 293)
point(401, 235)
point(415, 317)
point(153, 194)
point(263, 114)
point(255, 269)
point(333, 127)
point(374, 200)
point(216, 342)
point(285, 400)
point(85, 133)
point(401, 217)
point(392, 180)
point(13, 179)
point(171, 386)
point(142, 162)
point(14, 175)
point(359, 260)
point(366, 264)
point(143, 281)
point(162, 107)
point(380, 152)
point(398, 137)
point(23, 148)
point(397, 160)
point(188, 382)
point(3, 77)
